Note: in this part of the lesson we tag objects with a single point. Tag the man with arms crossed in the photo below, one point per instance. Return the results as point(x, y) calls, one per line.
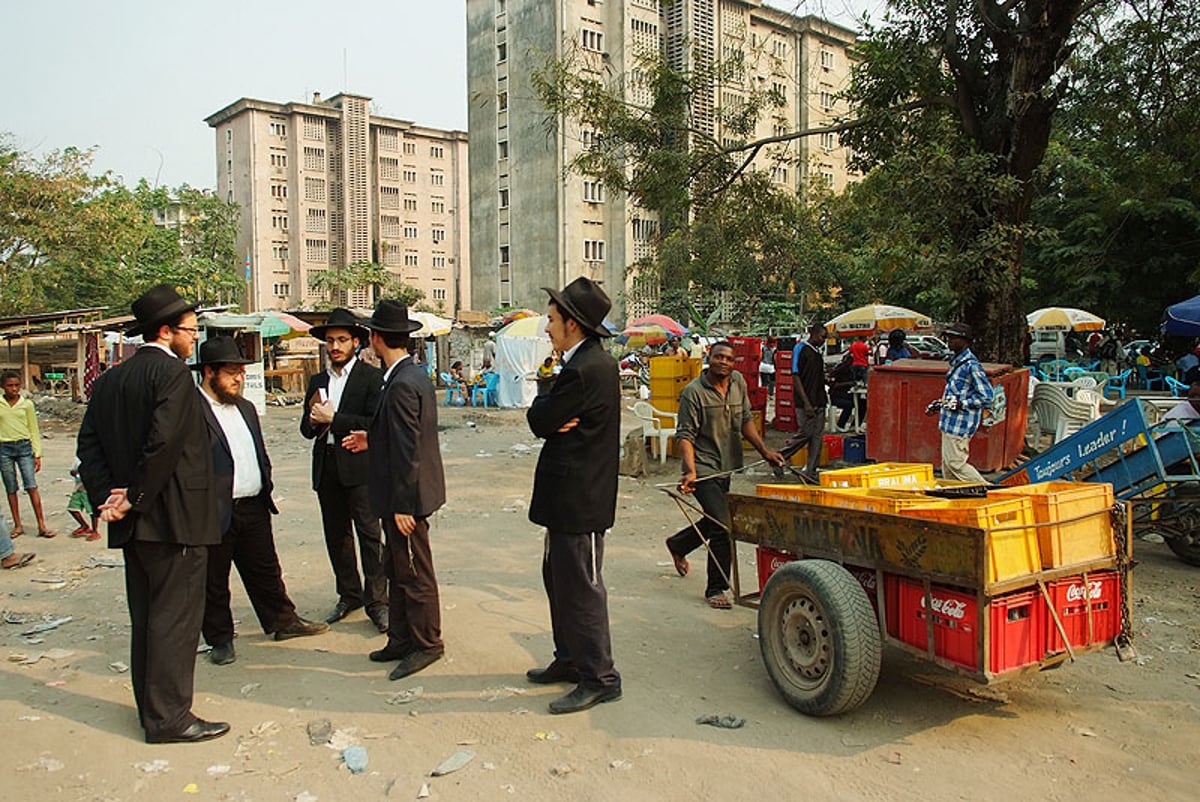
point(575, 495)
point(145, 458)
point(340, 399)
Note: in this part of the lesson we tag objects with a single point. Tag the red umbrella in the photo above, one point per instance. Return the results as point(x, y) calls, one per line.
point(667, 322)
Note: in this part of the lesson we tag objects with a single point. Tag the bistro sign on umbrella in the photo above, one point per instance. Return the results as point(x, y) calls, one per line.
point(1063, 318)
point(873, 318)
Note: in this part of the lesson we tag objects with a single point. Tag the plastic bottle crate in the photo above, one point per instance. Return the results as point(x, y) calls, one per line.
point(1068, 599)
point(1011, 540)
point(758, 398)
point(747, 346)
point(784, 421)
point(833, 443)
point(1064, 544)
point(809, 494)
point(874, 500)
point(756, 415)
point(1018, 631)
point(955, 615)
point(668, 367)
point(769, 561)
point(854, 448)
point(882, 474)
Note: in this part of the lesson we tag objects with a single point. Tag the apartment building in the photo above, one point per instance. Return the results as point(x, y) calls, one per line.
point(326, 184)
point(542, 225)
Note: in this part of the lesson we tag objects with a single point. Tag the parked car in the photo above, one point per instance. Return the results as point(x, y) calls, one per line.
point(926, 346)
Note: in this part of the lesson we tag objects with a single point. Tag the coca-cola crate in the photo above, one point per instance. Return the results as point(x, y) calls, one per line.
point(955, 616)
point(1069, 600)
point(747, 347)
point(1018, 631)
point(758, 398)
point(869, 580)
point(769, 560)
point(784, 421)
point(751, 378)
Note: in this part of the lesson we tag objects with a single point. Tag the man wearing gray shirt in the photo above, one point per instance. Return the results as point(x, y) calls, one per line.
point(714, 416)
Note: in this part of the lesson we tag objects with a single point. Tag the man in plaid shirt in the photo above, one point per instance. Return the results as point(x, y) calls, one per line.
point(968, 393)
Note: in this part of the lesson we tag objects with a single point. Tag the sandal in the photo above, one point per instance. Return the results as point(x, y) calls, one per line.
point(93, 535)
point(719, 602)
point(46, 533)
point(16, 533)
point(82, 531)
point(681, 563)
point(21, 561)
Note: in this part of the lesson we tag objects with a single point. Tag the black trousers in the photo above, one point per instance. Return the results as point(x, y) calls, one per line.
point(164, 585)
point(414, 605)
point(710, 495)
point(250, 545)
point(572, 567)
point(345, 510)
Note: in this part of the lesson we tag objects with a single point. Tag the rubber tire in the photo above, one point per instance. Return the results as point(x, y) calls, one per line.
point(826, 615)
point(1189, 552)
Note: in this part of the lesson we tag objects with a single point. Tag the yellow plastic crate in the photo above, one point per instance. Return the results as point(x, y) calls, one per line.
point(665, 387)
point(1062, 540)
point(757, 416)
point(809, 494)
point(1011, 537)
point(876, 500)
point(882, 474)
point(800, 458)
point(668, 367)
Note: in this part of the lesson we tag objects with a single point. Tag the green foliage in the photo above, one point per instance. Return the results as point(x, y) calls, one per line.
point(339, 282)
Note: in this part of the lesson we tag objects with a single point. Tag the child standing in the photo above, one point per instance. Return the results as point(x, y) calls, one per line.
point(79, 505)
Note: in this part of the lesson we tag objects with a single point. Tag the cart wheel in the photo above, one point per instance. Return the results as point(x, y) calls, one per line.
point(819, 637)
point(1186, 546)
point(1182, 532)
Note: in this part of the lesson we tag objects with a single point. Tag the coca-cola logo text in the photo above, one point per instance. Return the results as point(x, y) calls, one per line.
point(1094, 589)
point(950, 608)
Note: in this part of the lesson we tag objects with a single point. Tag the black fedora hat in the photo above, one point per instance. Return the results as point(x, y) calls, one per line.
point(219, 351)
point(340, 318)
point(584, 301)
point(391, 317)
point(158, 305)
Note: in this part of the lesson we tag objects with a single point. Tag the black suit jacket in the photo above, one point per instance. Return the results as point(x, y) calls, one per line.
point(222, 458)
point(575, 483)
point(357, 406)
point(144, 430)
point(406, 462)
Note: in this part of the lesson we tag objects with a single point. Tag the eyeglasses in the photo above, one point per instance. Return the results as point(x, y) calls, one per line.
point(192, 330)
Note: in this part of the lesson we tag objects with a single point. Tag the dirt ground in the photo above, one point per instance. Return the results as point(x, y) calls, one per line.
point(1097, 728)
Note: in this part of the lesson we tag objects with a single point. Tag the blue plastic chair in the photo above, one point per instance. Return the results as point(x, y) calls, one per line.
point(1147, 381)
point(1118, 382)
point(1072, 373)
point(485, 394)
point(452, 389)
point(1178, 389)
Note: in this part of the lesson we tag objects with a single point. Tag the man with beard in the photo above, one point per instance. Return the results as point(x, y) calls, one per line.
point(340, 399)
point(243, 478)
point(145, 458)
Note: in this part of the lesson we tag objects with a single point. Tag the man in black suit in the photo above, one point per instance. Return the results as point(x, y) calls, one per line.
point(145, 458)
point(575, 495)
point(340, 399)
point(242, 471)
point(407, 485)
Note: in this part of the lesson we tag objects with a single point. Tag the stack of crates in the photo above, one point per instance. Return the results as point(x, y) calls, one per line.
point(668, 376)
point(785, 402)
point(747, 354)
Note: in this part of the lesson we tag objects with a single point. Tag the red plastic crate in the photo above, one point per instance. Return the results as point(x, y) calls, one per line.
point(833, 442)
point(784, 421)
point(1068, 599)
point(955, 616)
point(867, 578)
point(769, 560)
point(758, 398)
point(1018, 631)
point(747, 347)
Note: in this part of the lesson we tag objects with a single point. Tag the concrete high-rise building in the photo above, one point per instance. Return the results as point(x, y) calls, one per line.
point(327, 184)
point(543, 225)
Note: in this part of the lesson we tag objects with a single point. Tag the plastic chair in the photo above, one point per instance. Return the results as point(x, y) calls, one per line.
point(1178, 389)
point(452, 389)
point(1147, 381)
point(485, 394)
point(1118, 382)
point(1072, 373)
point(653, 425)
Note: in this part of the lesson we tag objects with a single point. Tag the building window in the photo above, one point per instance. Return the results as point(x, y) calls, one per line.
point(389, 198)
point(279, 221)
point(410, 148)
point(314, 128)
point(827, 101)
point(779, 174)
point(827, 142)
point(644, 230)
point(393, 256)
point(502, 52)
point(315, 221)
point(437, 152)
point(410, 203)
point(439, 261)
point(389, 169)
point(502, 101)
point(439, 293)
point(410, 232)
point(278, 190)
point(504, 199)
point(279, 160)
point(279, 252)
point(593, 192)
point(281, 290)
point(410, 176)
point(412, 260)
point(591, 40)
point(438, 233)
point(314, 189)
point(590, 139)
point(502, 149)
point(437, 206)
point(437, 178)
point(827, 178)
point(316, 250)
point(503, 254)
point(779, 49)
point(389, 139)
point(593, 250)
point(314, 158)
point(278, 129)
point(228, 134)
point(826, 59)
point(389, 225)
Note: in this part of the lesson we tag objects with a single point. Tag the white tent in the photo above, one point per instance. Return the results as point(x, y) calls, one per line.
point(521, 347)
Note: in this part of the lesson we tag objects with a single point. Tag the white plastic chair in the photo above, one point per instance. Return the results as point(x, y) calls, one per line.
point(653, 425)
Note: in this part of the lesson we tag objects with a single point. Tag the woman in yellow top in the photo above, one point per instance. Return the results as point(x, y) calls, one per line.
point(20, 449)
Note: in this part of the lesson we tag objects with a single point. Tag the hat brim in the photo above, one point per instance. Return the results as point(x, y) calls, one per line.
point(956, 333)
point(238, 361)
point(576, 315)
point(170, 313)
point(413, 325)
point(355, 330)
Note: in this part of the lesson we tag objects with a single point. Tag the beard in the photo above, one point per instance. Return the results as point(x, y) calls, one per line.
point(225, 396)
point(341, 363)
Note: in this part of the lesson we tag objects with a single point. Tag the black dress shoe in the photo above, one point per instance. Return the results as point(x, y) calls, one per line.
point(379, 617)
point(301, 628)
point(557, 671)
point(200, 730)
point(416, 661)
point(387, 654)
point(222, 654)
point(340, 611)
point(584, 697)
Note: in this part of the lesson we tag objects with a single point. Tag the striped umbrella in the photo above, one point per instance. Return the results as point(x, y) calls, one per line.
point(1063, 318)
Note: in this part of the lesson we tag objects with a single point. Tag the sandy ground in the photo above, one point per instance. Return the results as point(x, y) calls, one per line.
point(1096, 729)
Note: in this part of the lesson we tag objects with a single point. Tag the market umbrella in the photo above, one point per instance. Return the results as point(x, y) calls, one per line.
point(431, 324)
point(666, 321)
point(526, 327)
point(874, 318)
point(639, 336)
point(517, 314)
point(1183, 319)
point(1063, 318)
point(281, 324)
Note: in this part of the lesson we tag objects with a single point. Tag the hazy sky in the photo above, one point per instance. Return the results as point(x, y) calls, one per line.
point(137, 78)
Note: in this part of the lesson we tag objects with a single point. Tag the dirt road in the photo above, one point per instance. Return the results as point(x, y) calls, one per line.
point(1096, 729)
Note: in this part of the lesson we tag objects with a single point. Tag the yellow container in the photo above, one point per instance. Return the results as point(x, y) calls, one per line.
point(1011, 537)
point(800, 458)
point(809, 494)
point(882, 474)
point(695, 366)
point(665, 387)
point(874, 500)
point(667, 367)
point(1062, 540)
point(757, 416)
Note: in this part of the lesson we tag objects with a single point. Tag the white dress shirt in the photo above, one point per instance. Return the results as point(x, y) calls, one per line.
point(337, 385)
point(247, 478)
